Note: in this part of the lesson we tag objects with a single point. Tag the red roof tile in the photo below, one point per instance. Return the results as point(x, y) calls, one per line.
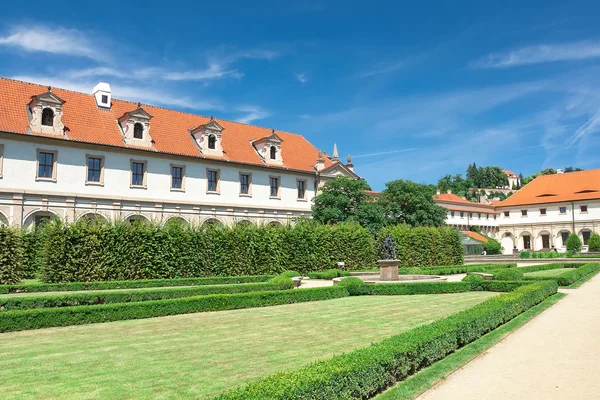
point(477, 236)
point(168, 128)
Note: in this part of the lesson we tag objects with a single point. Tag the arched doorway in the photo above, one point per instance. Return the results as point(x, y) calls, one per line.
point(212, 222)
point(93, 218)
point(180, 221)
point(39, 218)
point(137, 219)
point(508, 243)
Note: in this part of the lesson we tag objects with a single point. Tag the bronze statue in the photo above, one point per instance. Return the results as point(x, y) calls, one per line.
point(389, 250)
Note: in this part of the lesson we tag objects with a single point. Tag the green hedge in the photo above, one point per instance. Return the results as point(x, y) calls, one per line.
point(11, 255)
point(388, 289)
point(545, 267)
point(19, 320)
point(424, 246)
point(123, 251)
point(570, 275)
point(128, 296)
point(362, 373)
point(72, 286)
point(541, 254)
point(329, 274)
point(461, 269)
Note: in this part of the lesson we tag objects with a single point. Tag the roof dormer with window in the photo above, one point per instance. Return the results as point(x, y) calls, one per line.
point(208, 137)
point(45, 113)
point(135, 126)
point(269, 148)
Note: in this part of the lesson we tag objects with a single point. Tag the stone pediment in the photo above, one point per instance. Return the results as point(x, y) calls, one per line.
point(339, 169)
point(138, 113)
point(48, 98)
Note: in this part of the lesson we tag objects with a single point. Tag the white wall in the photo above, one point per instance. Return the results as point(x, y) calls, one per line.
point(19, 172)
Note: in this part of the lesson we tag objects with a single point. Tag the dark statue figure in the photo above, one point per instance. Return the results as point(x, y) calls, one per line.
point(389, 250)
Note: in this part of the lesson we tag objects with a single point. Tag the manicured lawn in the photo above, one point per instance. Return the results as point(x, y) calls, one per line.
point(548, 272)
point(198, 355)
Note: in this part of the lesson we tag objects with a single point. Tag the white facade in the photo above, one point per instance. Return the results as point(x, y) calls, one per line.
point(68, 194)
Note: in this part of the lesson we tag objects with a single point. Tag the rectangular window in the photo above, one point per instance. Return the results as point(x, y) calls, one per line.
point(524, 213)
point(564, 236)
point(46, 161)
point(545, 241)
point(563, 210)
point(452, 213)
point(138, 173)
point(177, 177)
point(527, 242)
point(274, 185)
point(95, 169)
point(586, 237)
point(494, 216)
point(583, 209)
point(506, 214)
point(479, 215)
point(542, 211)
point(301, 190)
point(245, 184)
point(462, 214)
point(212, 180)
point(487, 216)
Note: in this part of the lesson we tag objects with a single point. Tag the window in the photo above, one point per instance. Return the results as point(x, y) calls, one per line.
point(545, 241)
point(47, 117)
point(494, 216)
point(245, 181)
point(479, 215)
point(40, 220)
point(542, 211)
point(95, 169)
point(523, 213)
point(583, 209)
point(526, 242)
point(212, 180)
point(564, 236)
point(177, 176)
point(274, 184)
point(301, 189)
point(138, 131)
point(46, 161)
point(506, 214)
point(104, 99)
point(273, 153)
point(470, 215)
point(138, 173)
point(212, 142)
point(586, 237)
point(487, 216)
point(563, 210)
point(462, 214)
point(452, 213)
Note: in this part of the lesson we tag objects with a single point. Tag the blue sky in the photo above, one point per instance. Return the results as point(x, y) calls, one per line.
point(412, 91)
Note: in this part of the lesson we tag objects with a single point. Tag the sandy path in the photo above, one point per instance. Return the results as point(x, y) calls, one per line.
point(555, 356)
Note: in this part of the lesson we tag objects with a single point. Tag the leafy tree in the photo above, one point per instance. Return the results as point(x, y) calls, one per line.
point(339, 199)
point(571, 169)
point(457, 184)
point(573, 243)
point(412, 203)
point(371, 215)
point(473, 173)
point(492, 247)
point(594, 242)
point(548, 171)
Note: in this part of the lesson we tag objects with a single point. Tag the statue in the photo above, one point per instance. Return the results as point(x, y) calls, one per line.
point(389, 250)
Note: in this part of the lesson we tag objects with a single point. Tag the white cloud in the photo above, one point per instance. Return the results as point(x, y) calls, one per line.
point(301, 78)
point(381, 69)
point(545, 53)
point(56, 41)
point(251, 113)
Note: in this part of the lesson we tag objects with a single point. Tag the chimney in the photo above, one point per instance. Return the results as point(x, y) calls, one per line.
point(449, 191)
point(102, 94)
point(320, 162)
point(350, 166)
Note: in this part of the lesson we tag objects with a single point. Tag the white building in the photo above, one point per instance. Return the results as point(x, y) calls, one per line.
point(77, 155)
point(544, 212)
point(513, 179)
point(463, 214)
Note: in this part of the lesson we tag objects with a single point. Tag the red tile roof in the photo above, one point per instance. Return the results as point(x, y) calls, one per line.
point(509, 173)
point(572, 186)
point(477, 236)
point(85, 122)
point(450, 197)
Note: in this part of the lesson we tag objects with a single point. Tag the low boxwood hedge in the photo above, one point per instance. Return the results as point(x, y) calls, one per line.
point(462, 269)
point(329, 274)
point(512, 274)
point(570, 275)
point(19, 320)
point(545, 267)
point(355, 286)
point(389, 289)
point(362, 373)
point(132, 284)
point(127, 296)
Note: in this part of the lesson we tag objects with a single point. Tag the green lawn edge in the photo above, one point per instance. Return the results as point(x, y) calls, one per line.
point(425, 379)
point(581, 281)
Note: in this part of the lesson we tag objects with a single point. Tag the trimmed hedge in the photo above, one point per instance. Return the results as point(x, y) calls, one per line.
point(461, 269)
point(569, 276)
point(389, 289)
point(329, 274)
point(124, 296)
point(508, 274)
point(66, 287)
point(365, 372)
point(11, 255)
point(545, 267)
point(355, 286)
point(123, 251)
point(19, 320)
point(424, 246)
point(281, 282)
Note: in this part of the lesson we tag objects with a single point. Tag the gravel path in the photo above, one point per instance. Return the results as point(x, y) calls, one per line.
point(555, 356)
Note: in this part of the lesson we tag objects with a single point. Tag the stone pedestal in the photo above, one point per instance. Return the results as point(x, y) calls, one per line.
point(388, 270)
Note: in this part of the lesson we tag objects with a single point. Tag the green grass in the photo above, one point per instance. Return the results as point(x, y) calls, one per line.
point(548, 272)
point(198, 355)
point(425, 379)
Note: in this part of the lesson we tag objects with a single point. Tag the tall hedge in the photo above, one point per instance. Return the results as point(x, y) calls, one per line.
point(82, 252)
point(11, 255)
point(424, 246)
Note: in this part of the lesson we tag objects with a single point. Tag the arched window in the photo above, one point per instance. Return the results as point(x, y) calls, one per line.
point(273, 153)
point(212, 142)
point(138, 131)
point(48, 117)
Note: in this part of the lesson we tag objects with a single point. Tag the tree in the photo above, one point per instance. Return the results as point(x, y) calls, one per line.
point(472, 173)
point(371, 215)
point(594, 242)
point(412, 203)
point(492, 247)
point(573, 243)
point(339, 199)
point(571, 169)
point(457, 184)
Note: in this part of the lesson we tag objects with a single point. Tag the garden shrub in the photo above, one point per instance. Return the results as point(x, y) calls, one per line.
point(328, 275)
point(33, 251)
point(19, 320)
point(594, 242)
point(492, 247)
point(126, 296)
point(474, 280)
point(290, 274)
point(509, 274)
point(65, 287)
point(461, 269)
point(282, 282)
point(11, 255)
point(573, 243)
point(569, 254)
point(355, 286)
point(570, 275)
point(389, 289)
point(362, 373)
point(525, 254)
point(410, 271)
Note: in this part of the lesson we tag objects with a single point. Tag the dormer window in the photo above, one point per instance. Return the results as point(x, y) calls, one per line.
point(269, 148)
point(273, 153)
point(212, 142)
point(138, 131)
point(209, 138)
point(48, 117)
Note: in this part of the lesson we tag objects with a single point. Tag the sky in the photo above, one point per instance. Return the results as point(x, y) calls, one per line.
point(412, 90)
